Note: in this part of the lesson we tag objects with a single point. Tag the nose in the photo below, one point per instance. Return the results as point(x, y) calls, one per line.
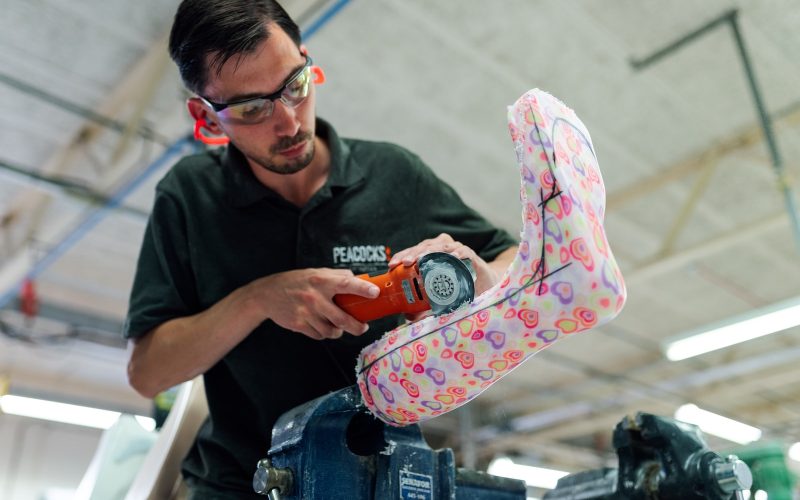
point(285, 119)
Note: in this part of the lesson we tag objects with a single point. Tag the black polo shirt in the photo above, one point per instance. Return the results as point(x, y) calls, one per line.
point(214, 228)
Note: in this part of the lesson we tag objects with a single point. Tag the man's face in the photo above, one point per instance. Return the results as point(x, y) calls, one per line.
point(283, 142)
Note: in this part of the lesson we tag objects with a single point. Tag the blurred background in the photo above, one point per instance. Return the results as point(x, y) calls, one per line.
point(698, 147)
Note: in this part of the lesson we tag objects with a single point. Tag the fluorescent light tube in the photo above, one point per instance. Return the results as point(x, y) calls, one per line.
point(533, 476)
point(794, 452)
point(717, 425)
point(147, 423)
point(772, 319)
point(65, 413)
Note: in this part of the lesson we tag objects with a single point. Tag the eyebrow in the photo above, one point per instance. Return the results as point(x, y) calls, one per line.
point(253, 95)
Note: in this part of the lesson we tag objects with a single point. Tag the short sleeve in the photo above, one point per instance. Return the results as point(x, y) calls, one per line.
point(164, 285)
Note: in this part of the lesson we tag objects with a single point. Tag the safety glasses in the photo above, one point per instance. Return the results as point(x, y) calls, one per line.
point(256, 109)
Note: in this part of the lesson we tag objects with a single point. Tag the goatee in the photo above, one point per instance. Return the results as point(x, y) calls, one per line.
point(296, 164)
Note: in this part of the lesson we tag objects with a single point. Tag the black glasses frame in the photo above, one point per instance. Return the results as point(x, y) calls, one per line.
point(219, 106)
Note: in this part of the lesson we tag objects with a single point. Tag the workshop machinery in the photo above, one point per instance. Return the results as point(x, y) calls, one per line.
point(659, 459)
point(332, 447)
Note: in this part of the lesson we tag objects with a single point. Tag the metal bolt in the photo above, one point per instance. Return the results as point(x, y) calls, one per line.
point(733, 474)
point(272, 481)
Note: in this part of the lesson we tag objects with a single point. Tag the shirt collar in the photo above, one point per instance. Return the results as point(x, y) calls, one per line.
point(244, 188)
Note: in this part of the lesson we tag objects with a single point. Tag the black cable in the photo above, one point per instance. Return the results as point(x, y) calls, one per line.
point(144, 130)
point(37, 339)
point(73, 187)
point(350, 379)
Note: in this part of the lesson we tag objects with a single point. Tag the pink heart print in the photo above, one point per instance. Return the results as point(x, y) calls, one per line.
point(563, 280)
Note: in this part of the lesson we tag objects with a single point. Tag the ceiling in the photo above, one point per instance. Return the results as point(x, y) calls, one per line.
point(93, 115)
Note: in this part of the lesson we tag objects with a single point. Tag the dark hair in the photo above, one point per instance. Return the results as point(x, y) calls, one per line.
point(225, 28)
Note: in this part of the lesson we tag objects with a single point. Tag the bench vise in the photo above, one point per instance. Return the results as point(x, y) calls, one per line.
point(332, 447)
point(659, 459)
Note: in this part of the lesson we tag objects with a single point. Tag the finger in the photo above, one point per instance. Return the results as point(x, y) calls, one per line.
point(409, 260)
point(441, 243)
point(398, 257)
point(341, 319)
point(454, 248)
point(409, 255)
point(462, 252)
point(357, 286)
point(355, 327)
point(406, 259)
point(352, 326)
point(414, 253)
point(415, 317)
point(444, 238)
point(344, 321)
point(324, 328)
point(449, 247)
point(309, 331)
point(323, 277)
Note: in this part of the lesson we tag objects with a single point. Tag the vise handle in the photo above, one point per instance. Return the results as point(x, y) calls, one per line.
point(272, 481)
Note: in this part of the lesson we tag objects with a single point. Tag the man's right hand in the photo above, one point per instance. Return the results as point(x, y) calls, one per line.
point(302, 301)
point(182, 348)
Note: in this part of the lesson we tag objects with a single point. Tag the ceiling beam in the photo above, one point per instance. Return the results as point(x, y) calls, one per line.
point(625, 395)
point(684, 214)
point(786, 118)
point(24, 265)
point(34, 203)
point(102, 326)
point(154, 72)
point(666, 263)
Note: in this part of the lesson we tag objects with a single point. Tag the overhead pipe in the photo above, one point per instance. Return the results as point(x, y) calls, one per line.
point(730, 18)
point(83, 112)
point(323, 19)
point(95, 217)
point(533, 422)
point(62, 185)
point(766, 123)
point(115, 200)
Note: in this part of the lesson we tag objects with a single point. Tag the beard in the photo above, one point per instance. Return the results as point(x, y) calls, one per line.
point(293, 165)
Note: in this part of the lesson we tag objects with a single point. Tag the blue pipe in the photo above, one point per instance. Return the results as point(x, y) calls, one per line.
point(324, 18)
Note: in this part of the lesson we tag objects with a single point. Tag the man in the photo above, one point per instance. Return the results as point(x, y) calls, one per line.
point(246, 246)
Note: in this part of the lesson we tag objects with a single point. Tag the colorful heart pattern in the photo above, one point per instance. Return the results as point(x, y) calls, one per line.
point(564, 280)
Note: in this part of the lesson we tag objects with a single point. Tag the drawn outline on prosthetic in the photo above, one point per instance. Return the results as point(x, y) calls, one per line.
point(513, 295)
point(556, 192)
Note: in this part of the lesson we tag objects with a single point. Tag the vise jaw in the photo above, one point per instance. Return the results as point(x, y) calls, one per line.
point(332, 447)
point(659, 459)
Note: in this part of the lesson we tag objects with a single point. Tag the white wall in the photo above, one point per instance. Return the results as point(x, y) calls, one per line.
point(37, 456)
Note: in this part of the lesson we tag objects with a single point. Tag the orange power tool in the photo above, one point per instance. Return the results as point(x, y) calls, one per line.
point(438, 282)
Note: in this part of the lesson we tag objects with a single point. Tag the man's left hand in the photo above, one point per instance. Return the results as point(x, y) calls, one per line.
point(486, 277)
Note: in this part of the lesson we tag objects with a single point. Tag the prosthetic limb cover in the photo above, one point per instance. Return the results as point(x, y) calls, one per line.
point(563, 280)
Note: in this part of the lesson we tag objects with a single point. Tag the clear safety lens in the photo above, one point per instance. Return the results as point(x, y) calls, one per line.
point(255, 110)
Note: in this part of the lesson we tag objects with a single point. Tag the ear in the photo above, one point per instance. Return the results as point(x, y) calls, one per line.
point(319, 75)
point(199, 111)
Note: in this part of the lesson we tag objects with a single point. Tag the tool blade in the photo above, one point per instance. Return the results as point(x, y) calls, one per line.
point(448, 281)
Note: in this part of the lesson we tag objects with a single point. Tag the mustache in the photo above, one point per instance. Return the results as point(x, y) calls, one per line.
point(288, 142)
